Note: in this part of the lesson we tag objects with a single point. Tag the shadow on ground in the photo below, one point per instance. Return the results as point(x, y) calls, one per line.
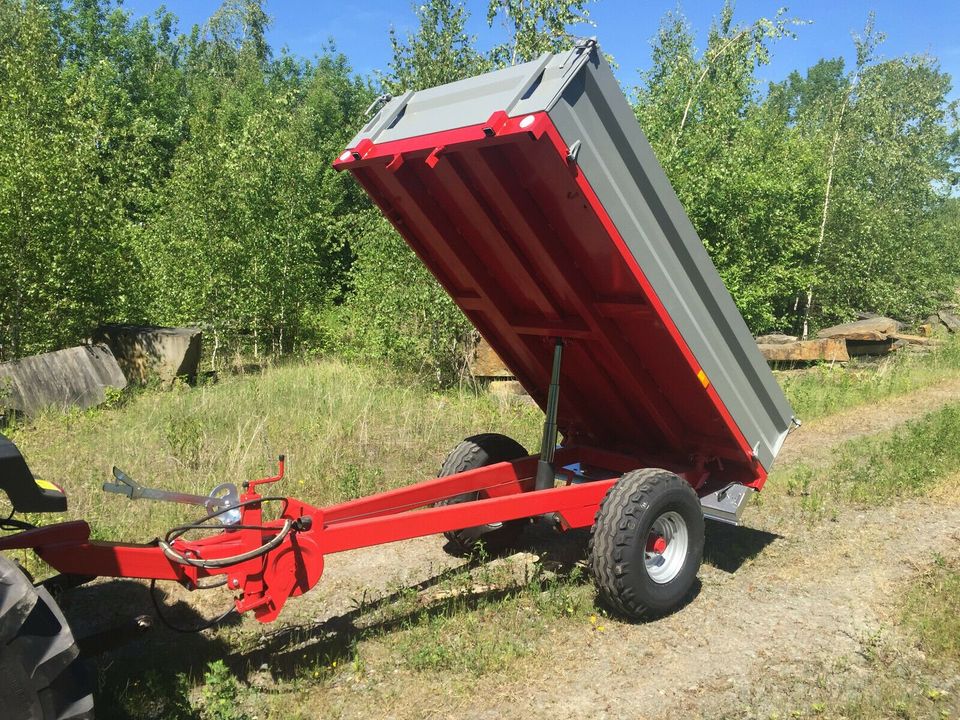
point(149, 674)
point(728, 547)
point(140, 674)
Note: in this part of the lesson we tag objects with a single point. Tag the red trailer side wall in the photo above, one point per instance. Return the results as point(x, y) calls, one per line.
point(513, 231)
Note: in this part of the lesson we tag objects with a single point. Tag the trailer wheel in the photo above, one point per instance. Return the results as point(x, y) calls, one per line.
point(475, 452)
point(41, 677)
point(647, 544)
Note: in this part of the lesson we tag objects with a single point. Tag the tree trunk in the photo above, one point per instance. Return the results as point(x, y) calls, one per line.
point(831, 164)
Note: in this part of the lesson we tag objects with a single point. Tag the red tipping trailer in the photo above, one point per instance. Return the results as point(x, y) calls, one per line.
point(533, 197)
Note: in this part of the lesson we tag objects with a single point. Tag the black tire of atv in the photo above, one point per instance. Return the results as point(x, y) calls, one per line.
point(41, 675)
point(617, 547)
point(475, 452)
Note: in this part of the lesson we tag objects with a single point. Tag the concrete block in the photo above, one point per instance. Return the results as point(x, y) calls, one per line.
point(145, 352)
point(75, 377)
point(506, 388)
point(487, 364)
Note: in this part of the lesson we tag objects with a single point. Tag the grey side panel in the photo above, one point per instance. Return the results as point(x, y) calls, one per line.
point(518, 90)
point(620, 166)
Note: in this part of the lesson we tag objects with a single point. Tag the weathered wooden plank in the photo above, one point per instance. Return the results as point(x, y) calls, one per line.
point(487, 364)
point(912, 339)
point(829, 349)
point(872, 329)
point(776, 339)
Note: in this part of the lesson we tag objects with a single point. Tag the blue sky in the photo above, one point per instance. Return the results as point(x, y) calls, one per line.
point(624, 28)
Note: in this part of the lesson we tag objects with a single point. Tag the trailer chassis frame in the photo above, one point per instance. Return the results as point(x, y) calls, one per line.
point(284, 557)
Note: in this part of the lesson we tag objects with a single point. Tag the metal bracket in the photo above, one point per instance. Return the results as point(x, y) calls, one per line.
point(223, 496)
point(378, 103)
point(573, 151)
point(727, 504)
point(580, 45)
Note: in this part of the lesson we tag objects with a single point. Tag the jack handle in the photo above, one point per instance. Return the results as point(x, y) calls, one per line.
point(126, 485)
point(281, 462)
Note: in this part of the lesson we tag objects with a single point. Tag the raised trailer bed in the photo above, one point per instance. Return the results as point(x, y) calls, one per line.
point(533, 197)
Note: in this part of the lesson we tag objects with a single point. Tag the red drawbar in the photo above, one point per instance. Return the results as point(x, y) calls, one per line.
point(266, 562)
point(514, 232)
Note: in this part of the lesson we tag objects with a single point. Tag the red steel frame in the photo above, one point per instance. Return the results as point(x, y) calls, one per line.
point(263, 583)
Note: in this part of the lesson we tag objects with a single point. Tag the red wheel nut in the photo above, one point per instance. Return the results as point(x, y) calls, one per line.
point(656, 545)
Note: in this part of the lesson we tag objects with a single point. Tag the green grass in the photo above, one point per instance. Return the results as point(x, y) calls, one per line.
point(347, 430)
point(907, 462)
point(490, 619)
point(827, 389)
point(932, 611)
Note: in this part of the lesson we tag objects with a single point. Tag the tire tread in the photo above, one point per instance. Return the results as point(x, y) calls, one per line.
point(41, 676)
point(474, 452)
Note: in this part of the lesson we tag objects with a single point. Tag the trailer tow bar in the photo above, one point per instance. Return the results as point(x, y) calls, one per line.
point(546, 473)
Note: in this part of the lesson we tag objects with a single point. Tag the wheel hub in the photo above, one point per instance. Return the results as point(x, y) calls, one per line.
point(665, 550)
point(656, 544)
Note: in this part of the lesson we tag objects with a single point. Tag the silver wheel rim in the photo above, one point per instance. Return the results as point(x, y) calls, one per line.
point(666, 547)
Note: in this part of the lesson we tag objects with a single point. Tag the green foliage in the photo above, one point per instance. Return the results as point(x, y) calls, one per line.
point(747, 189)
point(894, 171)
point(237, 245)
point(397, 311)
point(62, 245)
point(152, 176)
point(221, 694)
point(535, 27)
point(832, 185)
point(439, 52)
point(906, 463)
point(160, 178)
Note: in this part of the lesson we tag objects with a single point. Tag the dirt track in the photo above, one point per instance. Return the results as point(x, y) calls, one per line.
point(814, 440)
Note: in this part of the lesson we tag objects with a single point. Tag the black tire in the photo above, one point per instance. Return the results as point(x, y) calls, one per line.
point(41, 676)
point(473, 453)
point(618, 552)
